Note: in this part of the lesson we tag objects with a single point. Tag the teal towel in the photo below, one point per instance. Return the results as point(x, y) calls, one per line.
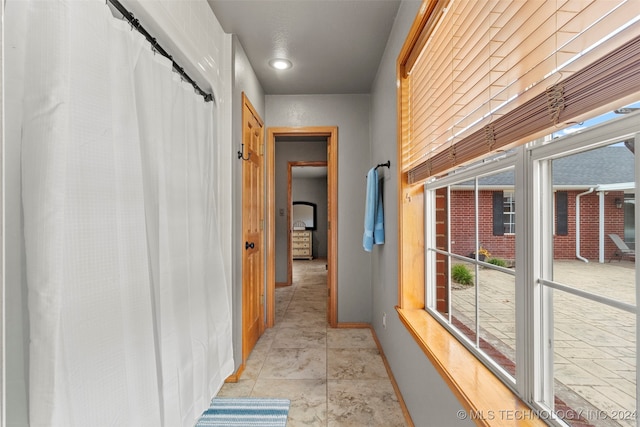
point(374, 213)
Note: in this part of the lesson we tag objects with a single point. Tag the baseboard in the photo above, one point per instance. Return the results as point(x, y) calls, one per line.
point(354, 325)
point(403, 406)
point(235, 377)
point(362, 325)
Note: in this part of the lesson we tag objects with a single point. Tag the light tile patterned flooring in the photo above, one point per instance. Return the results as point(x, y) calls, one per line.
point(333, 377)
point(595, 345)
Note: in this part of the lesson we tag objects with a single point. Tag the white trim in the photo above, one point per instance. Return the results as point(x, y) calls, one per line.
point(620, 305)
point(617, 186)
point(541, 244)
point(593, 137)
point(578, 196)
point(535, 287)
point(525, 322)
point(476, 278)
point(601, 226)
point(637, 236)
point(449, 297)
point(541, 258)
point(429, 259)
point(500, 165)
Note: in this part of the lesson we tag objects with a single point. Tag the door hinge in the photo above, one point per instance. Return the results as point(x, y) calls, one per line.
point(261, 224)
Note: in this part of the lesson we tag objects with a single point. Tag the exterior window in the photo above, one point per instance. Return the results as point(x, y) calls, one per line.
point(593, 325)
point(475, 294)
point(504, 206)
point(533, 299)
point(509, 212)
point(484, 288)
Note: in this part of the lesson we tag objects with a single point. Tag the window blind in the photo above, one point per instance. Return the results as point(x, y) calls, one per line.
point(479, 76)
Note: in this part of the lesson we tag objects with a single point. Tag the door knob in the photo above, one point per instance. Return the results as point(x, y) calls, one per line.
point(248, 245)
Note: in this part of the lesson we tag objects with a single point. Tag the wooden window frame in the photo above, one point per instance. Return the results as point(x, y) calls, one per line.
point(477, 388)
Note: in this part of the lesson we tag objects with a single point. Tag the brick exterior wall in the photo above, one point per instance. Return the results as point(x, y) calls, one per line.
point(463, 233)
point(442, 267)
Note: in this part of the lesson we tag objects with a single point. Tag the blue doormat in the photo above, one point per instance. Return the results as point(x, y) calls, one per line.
point(246, 412)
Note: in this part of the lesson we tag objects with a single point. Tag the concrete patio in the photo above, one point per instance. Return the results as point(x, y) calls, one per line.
point(595, 345)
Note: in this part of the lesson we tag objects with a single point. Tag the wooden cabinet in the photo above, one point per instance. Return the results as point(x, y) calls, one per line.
point(301, 244)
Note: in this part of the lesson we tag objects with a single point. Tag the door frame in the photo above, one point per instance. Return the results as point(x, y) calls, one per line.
point(290, 204)
point(247, 342)
point(331, 133)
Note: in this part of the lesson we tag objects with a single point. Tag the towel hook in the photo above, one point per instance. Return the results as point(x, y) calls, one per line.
point(241, 153)
point(386, 165)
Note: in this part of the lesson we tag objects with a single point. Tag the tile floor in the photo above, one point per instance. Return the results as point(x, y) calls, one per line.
point(595, 345)
point(333, 377)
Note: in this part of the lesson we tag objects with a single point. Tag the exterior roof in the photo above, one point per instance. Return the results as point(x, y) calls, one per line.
point(607, 165)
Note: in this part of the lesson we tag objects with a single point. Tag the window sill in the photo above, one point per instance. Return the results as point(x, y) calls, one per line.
point(486, 400)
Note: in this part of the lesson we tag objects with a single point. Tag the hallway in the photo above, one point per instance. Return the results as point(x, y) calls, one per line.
point(333, 377)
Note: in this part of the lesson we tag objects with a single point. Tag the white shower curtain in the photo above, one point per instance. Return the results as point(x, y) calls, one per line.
point(128, 304)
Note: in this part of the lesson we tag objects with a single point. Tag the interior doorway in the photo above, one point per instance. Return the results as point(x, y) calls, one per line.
point(312, 198)
point(331, 135)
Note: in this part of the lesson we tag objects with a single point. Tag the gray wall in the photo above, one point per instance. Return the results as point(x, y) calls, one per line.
point(428, 398)
point(285, 152)
point(350, 113)
point(244, 80)
point(17, 314)
point(314, 190)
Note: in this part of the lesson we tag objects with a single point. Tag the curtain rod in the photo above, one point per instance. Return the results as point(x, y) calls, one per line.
point(135, 23)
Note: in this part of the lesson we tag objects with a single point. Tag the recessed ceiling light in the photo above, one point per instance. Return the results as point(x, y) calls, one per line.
point(280, 64)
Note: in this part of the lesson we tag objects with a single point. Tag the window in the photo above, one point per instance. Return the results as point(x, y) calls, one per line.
point(509, 212)
point(476, 78)
point(504, 213)
point(474, 81)
point(588, 309)
point(473, 290)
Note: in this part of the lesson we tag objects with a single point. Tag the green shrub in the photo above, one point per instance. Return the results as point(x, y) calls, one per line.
point(461, 274)
point(498, 261)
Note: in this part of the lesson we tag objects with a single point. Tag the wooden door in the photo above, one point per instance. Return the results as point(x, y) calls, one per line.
point(252, 228)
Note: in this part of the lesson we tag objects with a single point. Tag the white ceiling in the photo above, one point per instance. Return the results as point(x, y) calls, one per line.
point(335, 45)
